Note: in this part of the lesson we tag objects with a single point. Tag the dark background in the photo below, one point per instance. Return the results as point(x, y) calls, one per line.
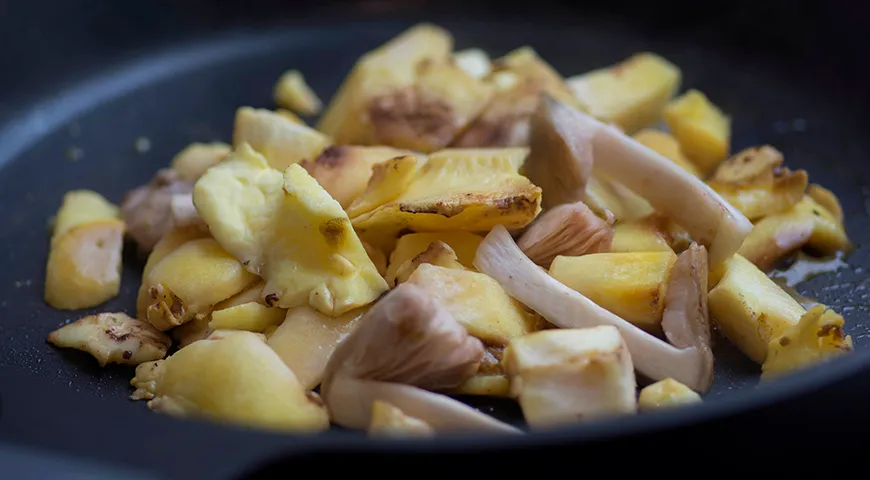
point(48, 45)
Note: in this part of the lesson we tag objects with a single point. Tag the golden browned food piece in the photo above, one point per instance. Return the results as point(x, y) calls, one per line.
point(381, 72)
point(817, 337)
point(666, 393)
point(519, 79)
point(631, 285)
point(290, 232)
point(145, 380)
point(196, 158)
point(827, 199)
point(344, 170)
point(490, 379)
point(292, 92)
point(476, 301)
point(604, 194)
point(113, 338)
point(668, 146)
point(84, 259)
point(631, 94)
point(282, 141)
point(568, 230)
point(648, 234)
point(438, 253)
point(147, 210)
point(444, 193)
point(704, 132)
point(166, 245)
point(252, 316)
point(463, 244)
point(307, 338)
point(237, 379)
point(290, 116)
point(750, 309)
point(388, 421)
point(565, 375)
point(755, 182)
point(473, 61)
point(190, 280)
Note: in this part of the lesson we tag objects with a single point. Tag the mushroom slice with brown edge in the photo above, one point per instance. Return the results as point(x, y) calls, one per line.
point(500, 258)
point(565, 375)
point(686, 320)
point(406, 343)
point(113, 338)
point(148, 210)
point(692, 204)
point(571, 230)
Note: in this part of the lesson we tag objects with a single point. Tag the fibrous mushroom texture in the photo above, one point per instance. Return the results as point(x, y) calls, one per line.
point(406, 343)
point(148, 210)
point(676, 193)
point(570, 230)
point(500, 258)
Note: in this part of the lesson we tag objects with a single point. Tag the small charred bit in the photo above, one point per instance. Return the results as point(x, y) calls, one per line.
point(570, 230)
point(147, 210)
point(333, 231)
point(271, 299)
point(113, 338)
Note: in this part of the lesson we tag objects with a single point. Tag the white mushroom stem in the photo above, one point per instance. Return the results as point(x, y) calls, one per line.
point(500, 258)
point(350, 403)
point(672, 191)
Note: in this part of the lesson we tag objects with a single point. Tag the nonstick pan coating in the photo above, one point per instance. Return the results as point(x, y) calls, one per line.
point(85, 136)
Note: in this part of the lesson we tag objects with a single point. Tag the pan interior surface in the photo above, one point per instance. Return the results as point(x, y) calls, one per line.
point(93, 136)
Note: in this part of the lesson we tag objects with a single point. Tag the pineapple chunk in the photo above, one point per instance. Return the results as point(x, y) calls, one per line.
point(252, 316)
point(816, 337)
point(307, 338)
point(603, 194)
point(381, 72)
point(645, 235)
point(280, 140)
point(463, 244)
point(291, 92)
point(166, 245)
point(516, 156)
point(388, 181)
point(438, 253)
point(290, 116)
point(145, 380)
point(666, 145)
point(829, 233)
point(561, 376)
point(113, 338)
point(490, 379)
point(81, 207)
point(448, 193)
point(344, 170)
point(389, 421)
point(631, 94)
point(473, 61)
point(631, 285)
point(827, 200)
point(237, 379)
point(476, 301)
point(750, 309)
point(196, 158)
point(287, 229)
point(703, 131)
point(189, 281)
point(665, 394)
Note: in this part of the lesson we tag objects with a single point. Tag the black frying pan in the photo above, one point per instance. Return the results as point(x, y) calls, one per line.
point(94, 76)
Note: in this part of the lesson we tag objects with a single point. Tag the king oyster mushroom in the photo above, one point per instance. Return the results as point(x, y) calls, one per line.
point(570, 229)
point(405, 345)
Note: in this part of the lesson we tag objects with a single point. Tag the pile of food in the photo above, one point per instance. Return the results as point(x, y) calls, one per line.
point(453, 225)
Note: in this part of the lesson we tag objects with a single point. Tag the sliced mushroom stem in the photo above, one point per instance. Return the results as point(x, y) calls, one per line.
point(350, 403)
point(692, 204)
point(500, 258)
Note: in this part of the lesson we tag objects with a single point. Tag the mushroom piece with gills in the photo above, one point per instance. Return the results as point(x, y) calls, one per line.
point(500, 258)
point(569, 230)
point(565, 375)
point(686, 319)
point(685, 199)
point(389, 421)
point(818, 336)
point(404, 344)
point(665, 394)
point(147, 210)
point(113, 338)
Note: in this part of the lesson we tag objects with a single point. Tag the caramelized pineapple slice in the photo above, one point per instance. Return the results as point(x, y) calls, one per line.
point(291, 92)
point(817, 337)
point(166, 245)
point(666, 393)
point(113, 338)
point(190, 280)
point(344, 170)
point(251, 316)
point(668, 146)
point(631, 285)
point(282, 141)
point(648, 234)
point(290, 231)
point(196, 158)
point(307, 338)
point(631, 94)
point(463, 244)
point(237, 379)
point(704, 132)
point(84, 259)
point(476, 301)
point(446, 193)
point(750, 309)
